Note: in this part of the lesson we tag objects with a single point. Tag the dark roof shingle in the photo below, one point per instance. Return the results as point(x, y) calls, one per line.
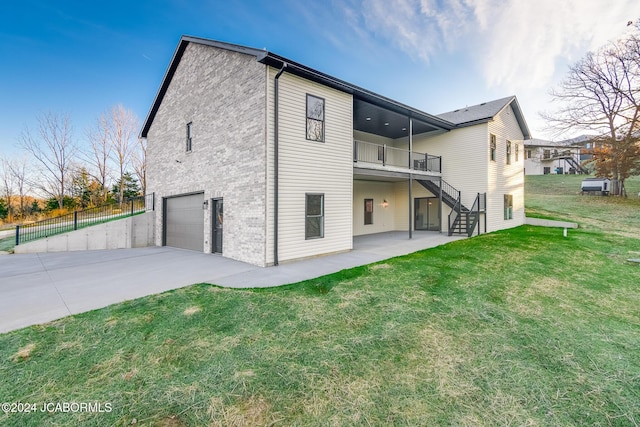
point(485, 112)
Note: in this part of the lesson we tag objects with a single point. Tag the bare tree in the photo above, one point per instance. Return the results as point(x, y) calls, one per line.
point(52, 149)
point(7, 186)
point(601, 95)
point(121, 128)
point(19, 170)
point(139, 161)
point(99, 154)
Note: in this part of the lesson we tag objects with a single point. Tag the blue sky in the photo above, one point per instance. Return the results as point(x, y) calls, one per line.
point(82, 57)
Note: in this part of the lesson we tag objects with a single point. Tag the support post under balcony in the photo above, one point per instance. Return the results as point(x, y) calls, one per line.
point(384, 154)
point(410, 179)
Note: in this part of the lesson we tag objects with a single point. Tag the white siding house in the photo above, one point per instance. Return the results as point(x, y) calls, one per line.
point(313, 167)
point(265, 160)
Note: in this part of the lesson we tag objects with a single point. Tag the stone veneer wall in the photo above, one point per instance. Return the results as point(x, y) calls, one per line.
point(223, 93)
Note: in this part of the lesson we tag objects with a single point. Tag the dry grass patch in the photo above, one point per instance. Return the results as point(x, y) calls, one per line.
point(170, 421)
point(340, 394)
point(442, 354)
point(310, 310)
point(104, 371)
point(527, 300)
point(111, 322)
point(68, 345)
point(191, 311)
point(177, 392)
point(248, 412)
point(59, 323)
point(228, 343)
point(24, 353)
point(127, 376)
point(142, 318)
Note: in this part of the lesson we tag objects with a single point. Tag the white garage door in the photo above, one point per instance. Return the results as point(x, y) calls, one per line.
point(184, 222)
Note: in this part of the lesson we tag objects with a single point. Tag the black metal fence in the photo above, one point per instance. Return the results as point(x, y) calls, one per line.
point(83, 218)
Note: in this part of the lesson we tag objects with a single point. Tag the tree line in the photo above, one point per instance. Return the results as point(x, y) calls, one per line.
point(601, 95)
point(109, 167)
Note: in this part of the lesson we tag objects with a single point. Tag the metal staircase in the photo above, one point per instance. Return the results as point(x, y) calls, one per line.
point(462, 220)
point(576, 165)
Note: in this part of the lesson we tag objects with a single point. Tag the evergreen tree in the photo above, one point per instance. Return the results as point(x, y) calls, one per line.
point(4, 210)
point(130, 187)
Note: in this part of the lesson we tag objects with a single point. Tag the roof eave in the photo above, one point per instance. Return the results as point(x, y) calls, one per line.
point(516, 110)
point(168, 75)
point(515, 106)
point(474, 122)
point(277, 61)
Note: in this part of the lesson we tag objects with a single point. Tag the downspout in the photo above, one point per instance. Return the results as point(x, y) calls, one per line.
point(275, 165)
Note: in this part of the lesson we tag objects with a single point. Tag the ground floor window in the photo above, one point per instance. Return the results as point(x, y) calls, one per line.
point(314, 212)
point(368, 211)
point(508, 206)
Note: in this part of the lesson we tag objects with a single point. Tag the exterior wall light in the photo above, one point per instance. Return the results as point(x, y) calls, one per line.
point(385, 204)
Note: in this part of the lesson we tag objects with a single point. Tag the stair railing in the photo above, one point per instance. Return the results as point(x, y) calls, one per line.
point(450, 190)
point(479, 206)
point(454, 216)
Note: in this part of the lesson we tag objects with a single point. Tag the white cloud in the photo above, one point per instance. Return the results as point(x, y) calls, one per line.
point(514, 43)
point(510, 46)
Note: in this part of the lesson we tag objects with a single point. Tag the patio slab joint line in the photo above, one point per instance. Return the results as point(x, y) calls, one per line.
point(54, 285)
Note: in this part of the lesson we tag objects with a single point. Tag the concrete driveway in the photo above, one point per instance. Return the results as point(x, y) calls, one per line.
point(38, 288)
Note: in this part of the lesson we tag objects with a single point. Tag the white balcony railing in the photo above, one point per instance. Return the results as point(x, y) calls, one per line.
point(385, 155)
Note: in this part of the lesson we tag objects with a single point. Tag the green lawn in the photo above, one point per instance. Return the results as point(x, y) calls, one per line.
point(7, 243)
point(518, 327)
point(558, 197)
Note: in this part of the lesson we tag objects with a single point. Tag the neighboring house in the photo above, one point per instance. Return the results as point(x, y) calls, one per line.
point(548, 157)
point(266, 160)
point(587, 148)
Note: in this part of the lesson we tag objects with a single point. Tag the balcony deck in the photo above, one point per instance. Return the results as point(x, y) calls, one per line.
point(367, 155)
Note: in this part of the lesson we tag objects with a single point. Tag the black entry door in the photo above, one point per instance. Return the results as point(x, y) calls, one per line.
point(217, 221)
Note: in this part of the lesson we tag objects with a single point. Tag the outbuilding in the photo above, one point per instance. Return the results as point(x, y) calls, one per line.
point(599, 185)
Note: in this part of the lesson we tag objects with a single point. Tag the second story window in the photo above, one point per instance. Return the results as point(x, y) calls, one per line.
point(492, 147)
point(189, 136)
point(517, 149)
point(508, 152)
point(315, 118)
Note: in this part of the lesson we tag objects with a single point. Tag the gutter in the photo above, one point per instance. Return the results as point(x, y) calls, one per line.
point(275, 165)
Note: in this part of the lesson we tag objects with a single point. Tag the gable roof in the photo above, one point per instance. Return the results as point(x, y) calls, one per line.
point(447, 121)
point(276, 61)
point(485, 112)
